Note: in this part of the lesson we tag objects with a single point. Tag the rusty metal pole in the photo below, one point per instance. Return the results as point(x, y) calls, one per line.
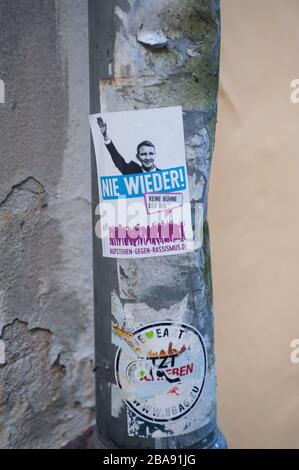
point(149, 54)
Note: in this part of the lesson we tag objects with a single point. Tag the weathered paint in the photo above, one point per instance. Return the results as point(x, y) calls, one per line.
point(134, 74)
point(2, 92)
point(45, 248)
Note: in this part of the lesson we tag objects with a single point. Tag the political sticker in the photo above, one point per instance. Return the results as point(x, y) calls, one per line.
point(161, 370)
point(144, 197)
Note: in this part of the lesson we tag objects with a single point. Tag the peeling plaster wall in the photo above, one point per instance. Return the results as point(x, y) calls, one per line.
point(46, 382)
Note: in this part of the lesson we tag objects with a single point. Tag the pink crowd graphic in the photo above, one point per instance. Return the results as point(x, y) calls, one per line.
point(155, 234)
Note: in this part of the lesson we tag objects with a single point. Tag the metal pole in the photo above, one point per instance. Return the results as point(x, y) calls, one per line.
point(148, 54)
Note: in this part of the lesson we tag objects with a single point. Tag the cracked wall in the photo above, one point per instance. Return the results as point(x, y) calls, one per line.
point(46, 382)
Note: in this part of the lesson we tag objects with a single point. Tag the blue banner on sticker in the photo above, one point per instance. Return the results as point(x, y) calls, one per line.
point(136, 185)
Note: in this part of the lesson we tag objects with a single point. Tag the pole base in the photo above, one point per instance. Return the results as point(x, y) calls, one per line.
point(219, 442)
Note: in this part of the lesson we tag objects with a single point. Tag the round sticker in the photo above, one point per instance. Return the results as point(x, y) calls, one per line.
point(162, 373)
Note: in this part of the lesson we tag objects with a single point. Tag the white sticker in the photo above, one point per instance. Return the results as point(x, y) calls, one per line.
point(143, 184)
point(161, 372)
point(2, 352)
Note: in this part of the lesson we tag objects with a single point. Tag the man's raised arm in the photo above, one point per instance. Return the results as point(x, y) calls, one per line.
point(118, 160)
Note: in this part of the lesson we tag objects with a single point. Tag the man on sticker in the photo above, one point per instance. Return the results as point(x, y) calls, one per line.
point(146, 154)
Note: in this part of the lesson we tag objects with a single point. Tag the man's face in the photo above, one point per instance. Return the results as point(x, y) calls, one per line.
point(146, 156)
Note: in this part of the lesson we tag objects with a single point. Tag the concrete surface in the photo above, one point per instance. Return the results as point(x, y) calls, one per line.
point(46, 381)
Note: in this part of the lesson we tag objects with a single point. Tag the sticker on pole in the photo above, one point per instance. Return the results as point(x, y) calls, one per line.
point(143, 185)
point(161, 372)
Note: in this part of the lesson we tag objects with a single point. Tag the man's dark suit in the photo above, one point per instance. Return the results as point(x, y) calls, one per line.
point(120, 163)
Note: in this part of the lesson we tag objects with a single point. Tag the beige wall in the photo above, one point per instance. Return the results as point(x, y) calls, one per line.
point(254, 221)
